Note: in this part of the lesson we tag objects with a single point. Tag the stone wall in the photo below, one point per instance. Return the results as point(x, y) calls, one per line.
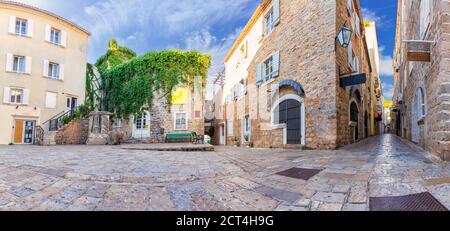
point(433, 77)
point(305, 38)
point(76, 132)
point(344, 98)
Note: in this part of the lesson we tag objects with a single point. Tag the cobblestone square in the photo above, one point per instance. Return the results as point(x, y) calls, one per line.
point(111, 178)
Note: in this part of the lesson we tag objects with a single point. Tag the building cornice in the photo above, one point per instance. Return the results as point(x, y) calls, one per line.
point(258, 12)
point(33, 8)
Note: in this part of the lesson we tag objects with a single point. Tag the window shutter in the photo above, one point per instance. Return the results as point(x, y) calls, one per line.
point(12, 24)
point(9, 62)
point(30, 28)
point(6, 94)
point(50, 100)
point(61, 72)
point(350, 56)
point(357, 24)
point(259, 78)
point(48, 31)
point(28, 64)
point(276, 12)
point(26, 96)
point(350, 7)
point(64, 38)
point(45, 69)
point(276, 64)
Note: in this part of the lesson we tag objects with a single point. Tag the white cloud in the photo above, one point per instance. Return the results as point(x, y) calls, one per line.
point(371, 15)
point(157, 21)
point(386, 63)
point(388, 90)
point(382, 22)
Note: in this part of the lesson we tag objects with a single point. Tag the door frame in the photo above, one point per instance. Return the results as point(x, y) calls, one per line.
point(23, 131)
point(275, 125)
point(139, 133)
point(222, 134)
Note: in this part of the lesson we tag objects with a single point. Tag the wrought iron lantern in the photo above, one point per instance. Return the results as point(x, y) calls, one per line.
point(344, 36)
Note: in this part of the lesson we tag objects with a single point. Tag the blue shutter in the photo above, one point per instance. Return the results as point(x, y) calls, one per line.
point(259, 78)
point(276, 12)
point(276, 64)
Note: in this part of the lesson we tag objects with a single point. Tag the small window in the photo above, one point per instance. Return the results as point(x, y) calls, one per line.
point(53, 70)
point(181, 121)
point(19, 64)
point(421, 101)
point(16, 96)
point(268, 68)
point(21, 27)
point(270, 20)
point(55, 36)
point(117, 123)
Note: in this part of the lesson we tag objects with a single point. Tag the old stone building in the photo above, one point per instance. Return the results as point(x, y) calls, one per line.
point(421, 111)
point(290, 80)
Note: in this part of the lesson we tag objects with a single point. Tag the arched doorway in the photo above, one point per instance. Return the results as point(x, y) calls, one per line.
point(141, 126)
point(354, 121)
point(418, 112)
point(289, 113)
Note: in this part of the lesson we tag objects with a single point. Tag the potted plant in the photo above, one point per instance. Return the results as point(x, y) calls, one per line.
point(236, 142)
point(247, 140)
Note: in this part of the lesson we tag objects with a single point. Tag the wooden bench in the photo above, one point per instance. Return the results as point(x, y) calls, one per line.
point(179, 138)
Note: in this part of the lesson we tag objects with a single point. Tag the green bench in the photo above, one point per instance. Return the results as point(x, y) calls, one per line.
point(179, 138)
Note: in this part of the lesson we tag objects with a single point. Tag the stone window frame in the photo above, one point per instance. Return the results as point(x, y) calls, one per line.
point(175, 114)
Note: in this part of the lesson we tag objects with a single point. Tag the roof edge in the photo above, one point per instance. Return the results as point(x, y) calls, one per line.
point(19, 4)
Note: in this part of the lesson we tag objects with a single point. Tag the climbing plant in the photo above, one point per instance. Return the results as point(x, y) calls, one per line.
point(129, 83)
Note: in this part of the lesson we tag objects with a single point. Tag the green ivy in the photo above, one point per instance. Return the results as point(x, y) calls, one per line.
point(131, 85)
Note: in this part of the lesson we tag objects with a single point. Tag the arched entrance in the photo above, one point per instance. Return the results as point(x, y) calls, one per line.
point(291, 116)
point(418, 112)
point(354, 122)
point(289, 113)
point(366, 125)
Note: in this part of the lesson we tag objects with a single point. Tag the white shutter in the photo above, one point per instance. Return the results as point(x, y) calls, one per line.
point(350, 7)
point(259, 78)
point(12, 24)
point(6, 94)
point(276, 12)
point(9, 62)
point(51, 100)
point(45, 69)
point(48, 31)
point(350, 56)
point(30, 29)
point(357, 24)
point(64, 38)
point(26, 96)
point(61, 72)
point(276, 64)
point(28, 64)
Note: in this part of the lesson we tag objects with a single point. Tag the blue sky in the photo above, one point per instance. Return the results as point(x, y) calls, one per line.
point(206, 25)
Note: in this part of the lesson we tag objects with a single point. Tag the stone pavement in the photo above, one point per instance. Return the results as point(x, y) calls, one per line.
point(111, 178)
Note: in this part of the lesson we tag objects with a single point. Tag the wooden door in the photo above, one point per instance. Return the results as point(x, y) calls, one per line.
point(18, 132)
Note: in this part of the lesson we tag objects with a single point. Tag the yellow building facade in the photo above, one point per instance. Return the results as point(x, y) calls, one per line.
point(43, 67)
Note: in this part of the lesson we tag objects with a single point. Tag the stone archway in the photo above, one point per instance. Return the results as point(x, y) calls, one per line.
point(288, 112)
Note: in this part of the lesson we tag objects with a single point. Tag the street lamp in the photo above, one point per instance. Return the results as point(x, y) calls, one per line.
point(344, 36)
